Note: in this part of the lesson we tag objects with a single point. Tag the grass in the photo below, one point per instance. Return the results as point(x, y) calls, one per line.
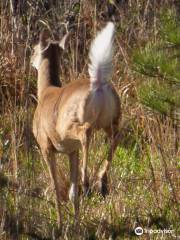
point(144, 176)
point(133, 200)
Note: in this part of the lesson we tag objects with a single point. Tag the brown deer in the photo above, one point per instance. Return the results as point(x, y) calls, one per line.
point(65, 116)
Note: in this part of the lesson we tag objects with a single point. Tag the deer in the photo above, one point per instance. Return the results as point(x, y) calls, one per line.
point(66, 116)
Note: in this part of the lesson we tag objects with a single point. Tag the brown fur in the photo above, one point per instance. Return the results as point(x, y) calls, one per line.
point(65, 117)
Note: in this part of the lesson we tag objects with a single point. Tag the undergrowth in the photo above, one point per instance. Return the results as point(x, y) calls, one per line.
point(144, 175)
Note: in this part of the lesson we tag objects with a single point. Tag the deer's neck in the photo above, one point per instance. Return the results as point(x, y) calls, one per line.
point(48, 75)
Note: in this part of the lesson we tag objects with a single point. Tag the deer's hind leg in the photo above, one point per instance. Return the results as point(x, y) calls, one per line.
point(74, 172)
point(82, 133)
point(85, 141)
point(113, 135)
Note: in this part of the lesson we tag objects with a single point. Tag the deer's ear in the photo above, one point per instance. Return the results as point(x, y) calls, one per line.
point(44, 38)
point(63, 41)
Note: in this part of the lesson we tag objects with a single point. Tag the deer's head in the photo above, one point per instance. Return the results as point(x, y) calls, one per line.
point(47, 48)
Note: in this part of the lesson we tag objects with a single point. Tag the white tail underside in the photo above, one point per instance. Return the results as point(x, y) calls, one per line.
point(101, 57)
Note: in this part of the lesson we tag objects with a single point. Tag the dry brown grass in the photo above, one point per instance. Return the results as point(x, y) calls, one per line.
point(144, 179)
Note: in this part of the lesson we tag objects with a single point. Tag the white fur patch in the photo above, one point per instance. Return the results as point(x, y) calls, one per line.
point(36, 57)
point(72, 193)
point(101, 56)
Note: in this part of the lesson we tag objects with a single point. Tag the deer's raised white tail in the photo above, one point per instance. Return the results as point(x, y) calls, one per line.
point(100, 54)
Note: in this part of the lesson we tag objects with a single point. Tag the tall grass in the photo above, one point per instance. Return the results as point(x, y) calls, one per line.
point(144, 177)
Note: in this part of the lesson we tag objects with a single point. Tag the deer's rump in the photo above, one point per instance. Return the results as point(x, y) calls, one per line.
point(65, 110)
point(80, 105)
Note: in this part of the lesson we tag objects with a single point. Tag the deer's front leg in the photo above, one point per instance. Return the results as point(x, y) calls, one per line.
point(50, 160)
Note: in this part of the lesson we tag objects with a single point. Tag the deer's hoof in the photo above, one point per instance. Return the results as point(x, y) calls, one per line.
point(103, 186)
point(86, 189)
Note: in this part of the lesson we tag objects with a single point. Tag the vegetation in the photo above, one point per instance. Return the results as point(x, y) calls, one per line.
point(144, 177)
point(159, 59)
